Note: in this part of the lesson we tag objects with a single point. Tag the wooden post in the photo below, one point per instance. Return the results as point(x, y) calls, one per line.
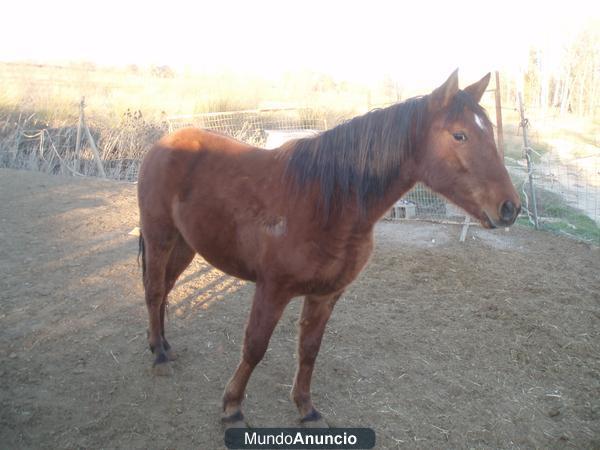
point(95, 151)
point(465, 228)
point(499, 129)
point(17, 141)
point(79, 127)
point(90, 139)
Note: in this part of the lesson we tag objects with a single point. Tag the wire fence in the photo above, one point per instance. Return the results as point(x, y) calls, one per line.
point(265, 128)
point(565, 175)
point(252, 125)
point(566, 178)
point(27, 142)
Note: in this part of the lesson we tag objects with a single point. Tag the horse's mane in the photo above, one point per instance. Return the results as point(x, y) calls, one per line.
point(360, 158)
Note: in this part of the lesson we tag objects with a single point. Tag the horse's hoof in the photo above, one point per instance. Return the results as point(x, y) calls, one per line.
point(313, 419)
point(235, 420)
point(171, 355)
point(238, 424)
point(163, 369)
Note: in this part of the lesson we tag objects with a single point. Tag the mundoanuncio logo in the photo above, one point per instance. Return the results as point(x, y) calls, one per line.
point(298, 438)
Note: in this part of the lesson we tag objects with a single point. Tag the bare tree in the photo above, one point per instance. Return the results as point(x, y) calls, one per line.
point(574, 89)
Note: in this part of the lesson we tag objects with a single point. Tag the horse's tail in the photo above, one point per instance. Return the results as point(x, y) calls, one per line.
point(142, 253)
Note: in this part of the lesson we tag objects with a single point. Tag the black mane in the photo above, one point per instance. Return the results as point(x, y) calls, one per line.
point(361, 157)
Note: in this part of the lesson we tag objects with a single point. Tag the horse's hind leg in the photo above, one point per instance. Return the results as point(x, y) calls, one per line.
point(158, 247)
point(181, 256)
point(315, 314)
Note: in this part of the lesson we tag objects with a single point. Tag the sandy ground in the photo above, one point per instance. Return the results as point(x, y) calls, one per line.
point(494, 343)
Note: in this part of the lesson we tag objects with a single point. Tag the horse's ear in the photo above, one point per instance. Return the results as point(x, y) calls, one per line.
point(476, 90)
point(442, 96)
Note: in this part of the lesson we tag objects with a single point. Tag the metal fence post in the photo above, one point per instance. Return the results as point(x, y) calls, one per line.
point(527, 148)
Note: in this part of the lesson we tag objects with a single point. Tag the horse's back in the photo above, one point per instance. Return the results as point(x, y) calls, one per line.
point(197, 139)
point(177, 150)
point(170, 164)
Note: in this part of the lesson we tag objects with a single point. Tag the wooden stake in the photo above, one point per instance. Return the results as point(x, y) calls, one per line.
point(499, 130)
point(465, 228)
point(79, 127)
point(95, 151)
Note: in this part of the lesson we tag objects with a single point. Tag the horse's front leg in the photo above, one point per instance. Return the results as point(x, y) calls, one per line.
point(267, 307)
point(315, 314)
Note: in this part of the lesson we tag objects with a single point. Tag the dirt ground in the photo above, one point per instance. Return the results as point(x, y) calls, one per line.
point(494, 343)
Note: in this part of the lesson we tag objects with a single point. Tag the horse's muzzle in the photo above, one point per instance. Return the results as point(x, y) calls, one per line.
point(508, 213)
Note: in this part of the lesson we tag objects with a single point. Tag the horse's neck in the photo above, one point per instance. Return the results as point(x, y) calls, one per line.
point(402, 184)
point(365, 220)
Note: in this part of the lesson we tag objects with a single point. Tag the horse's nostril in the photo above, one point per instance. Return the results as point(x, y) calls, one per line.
point(508, 211)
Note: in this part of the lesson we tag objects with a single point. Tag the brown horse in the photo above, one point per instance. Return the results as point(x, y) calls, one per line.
point(298, 220)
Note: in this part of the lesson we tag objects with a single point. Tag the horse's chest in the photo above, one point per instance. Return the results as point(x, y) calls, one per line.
point(336, 265)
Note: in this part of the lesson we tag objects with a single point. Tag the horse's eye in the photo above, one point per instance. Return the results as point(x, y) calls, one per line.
point(460, 137)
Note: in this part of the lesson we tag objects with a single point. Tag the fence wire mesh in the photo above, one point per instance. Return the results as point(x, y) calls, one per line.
point(252, 126)
point(566, 172)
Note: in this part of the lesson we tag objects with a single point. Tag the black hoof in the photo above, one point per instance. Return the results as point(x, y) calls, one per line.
point(161, 358)
point(171, 355)
point(235, 420)
point(237, 416)
point(161, 366)
point(312, 416)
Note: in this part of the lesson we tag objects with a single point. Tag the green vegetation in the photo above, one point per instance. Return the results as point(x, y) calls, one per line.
point(559, 217)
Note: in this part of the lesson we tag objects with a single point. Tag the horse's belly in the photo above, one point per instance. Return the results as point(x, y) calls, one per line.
point(217, 240)
point(231, 266)
point(221, 251)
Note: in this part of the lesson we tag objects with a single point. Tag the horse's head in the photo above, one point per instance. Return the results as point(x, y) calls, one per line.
point(459, 158)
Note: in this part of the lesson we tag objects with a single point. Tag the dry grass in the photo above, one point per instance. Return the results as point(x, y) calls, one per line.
point(53, 92)
point(127, 109)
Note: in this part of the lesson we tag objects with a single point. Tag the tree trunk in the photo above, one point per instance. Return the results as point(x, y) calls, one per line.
point(564, 101)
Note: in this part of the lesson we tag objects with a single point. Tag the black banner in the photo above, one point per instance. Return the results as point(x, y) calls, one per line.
point(300, 438)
